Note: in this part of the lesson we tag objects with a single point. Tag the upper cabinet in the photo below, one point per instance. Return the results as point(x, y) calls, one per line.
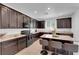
point(33, 23)
point(10, 18)
point(40, 24)
point(13, 19)
point(5, 17)
point(0, 17)
point(64, 23)
point(20, 20)
point(37, 24)
point(26, 22)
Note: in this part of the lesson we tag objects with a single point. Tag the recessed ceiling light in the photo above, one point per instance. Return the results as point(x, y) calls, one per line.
point(35, 12)
point(48, 8)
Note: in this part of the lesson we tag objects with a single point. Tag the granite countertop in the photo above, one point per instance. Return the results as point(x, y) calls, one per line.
point(61, 37)
point(14, 36)
point(58, 37)
point(35, 32)
point(10, 37)
point(64, 32)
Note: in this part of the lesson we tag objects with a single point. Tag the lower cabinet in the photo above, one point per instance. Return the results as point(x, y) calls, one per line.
point(9, 47)
point(71, 35)
point(21, 43)
point(0, 48)
point(13, 46)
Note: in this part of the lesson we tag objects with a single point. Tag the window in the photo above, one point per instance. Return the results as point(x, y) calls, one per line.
point(64, 23)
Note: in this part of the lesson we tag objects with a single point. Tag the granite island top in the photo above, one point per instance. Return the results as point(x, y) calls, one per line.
point(10, 37)
point(58, 37)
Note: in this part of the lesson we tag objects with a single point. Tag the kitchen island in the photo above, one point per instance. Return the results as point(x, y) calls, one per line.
point(63, 38)
point(60, 38)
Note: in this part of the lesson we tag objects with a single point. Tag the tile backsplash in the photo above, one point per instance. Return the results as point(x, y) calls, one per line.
point(12, 31)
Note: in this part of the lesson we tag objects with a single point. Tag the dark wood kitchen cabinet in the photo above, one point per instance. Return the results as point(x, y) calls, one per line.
point(5, 17)
point(13, 46)
point(10, 18)
point(0, 22)
point(26, 22)
point(21, 43)
point(0, 18)
point(26, 19)
point(0, 49)
point(33, 23)
point(20, 20)
point(64, 23)
point(40, 24)
point(13, 19)
point(9, 47)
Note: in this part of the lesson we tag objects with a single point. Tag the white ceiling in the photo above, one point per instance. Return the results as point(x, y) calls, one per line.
point(40, 10)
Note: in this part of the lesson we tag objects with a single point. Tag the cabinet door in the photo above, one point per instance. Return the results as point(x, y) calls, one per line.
point(41, 24)
point(0, 17)
point(33, 23)
point(27, 21)
point(20, 20)
point(13, 19)
point(9, 47)
point(0, 48)
point(21, 43)
point(5, 17)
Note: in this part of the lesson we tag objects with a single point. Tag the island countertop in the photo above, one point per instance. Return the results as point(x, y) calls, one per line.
point(10, 37)
point(59, 37)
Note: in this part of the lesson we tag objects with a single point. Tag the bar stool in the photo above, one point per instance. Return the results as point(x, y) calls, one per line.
point(44, 43)
point(70, 48)
point(56, 45)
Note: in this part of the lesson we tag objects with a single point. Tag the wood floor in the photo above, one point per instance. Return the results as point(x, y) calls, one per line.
point(33, 49)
